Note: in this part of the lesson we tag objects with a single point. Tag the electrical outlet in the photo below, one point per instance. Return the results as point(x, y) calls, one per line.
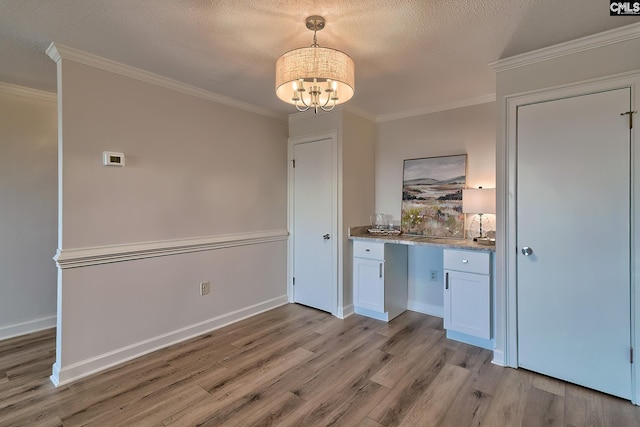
point(434, 275)
point(205, 287)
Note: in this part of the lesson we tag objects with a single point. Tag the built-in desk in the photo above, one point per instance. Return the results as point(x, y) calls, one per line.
point(380, 282)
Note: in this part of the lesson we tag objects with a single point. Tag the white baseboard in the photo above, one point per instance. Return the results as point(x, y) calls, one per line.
point(430, 309)
point(346, 311)
point(498, 358)
point(24, 328)
point(372, 313)
point(62, 375)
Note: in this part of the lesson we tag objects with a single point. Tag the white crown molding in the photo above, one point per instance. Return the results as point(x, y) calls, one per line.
point(27, 92)
point(617, 35)
point(58, 51)
point(84, 257)
point(468, 102)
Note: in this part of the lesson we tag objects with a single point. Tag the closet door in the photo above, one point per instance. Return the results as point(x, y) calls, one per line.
point(315, 247)
point(573, 234)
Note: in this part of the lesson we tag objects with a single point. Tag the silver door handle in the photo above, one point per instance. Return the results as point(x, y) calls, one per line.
point(326, 237)
point(526, 251)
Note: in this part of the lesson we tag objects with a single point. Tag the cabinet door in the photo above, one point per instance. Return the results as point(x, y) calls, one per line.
point(368, 284)
point(467, 304)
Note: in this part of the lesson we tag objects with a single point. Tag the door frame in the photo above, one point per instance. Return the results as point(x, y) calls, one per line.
point(506, 352)
point(337, 203)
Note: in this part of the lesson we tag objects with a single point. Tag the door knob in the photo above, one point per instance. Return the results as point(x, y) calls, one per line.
point(326, 237)
point(526, 251)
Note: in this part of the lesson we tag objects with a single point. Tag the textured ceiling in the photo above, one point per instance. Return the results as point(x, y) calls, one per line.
point(410, 55)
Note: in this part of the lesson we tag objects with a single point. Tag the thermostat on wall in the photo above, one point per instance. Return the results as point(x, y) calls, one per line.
point(113, 159)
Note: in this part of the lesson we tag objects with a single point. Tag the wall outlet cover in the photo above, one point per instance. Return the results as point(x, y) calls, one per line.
point(205, 288)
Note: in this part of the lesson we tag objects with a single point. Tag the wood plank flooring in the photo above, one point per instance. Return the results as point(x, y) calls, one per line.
point(295, 366)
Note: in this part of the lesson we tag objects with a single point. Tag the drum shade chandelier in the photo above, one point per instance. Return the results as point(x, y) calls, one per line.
point(315, 77)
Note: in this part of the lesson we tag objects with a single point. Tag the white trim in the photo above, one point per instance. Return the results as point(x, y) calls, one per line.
point(27, 327)
point(336, 270)
point(346, 311)
point(498, 358)
point(84, 368)
point(372, 313)
point(57, 51)
point(507, 286)
point(487, 344)
point(460, 103)
point(617, 35)
point(430, 309)
point(27, 92)
point(84, 257)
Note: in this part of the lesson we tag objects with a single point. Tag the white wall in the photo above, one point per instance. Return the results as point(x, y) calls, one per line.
point(358, 186)
point(196, 171)
point(28, 210)
point(469, 130)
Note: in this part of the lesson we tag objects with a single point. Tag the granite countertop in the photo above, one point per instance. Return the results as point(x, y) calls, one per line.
point(361, 233)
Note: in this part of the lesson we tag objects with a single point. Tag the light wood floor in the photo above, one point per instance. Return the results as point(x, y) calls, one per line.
point(295, 366)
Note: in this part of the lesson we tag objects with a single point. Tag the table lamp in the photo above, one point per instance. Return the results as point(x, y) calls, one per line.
point(479, 201)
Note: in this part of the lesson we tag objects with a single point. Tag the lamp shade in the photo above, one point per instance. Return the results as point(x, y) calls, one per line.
point(319, 63)
point(479, 200)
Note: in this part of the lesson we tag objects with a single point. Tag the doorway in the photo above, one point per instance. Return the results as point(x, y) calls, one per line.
point(573, 240)
point(313, 222)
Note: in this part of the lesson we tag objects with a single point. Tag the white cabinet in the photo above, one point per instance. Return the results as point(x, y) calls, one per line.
point(379, 279)
point(467, 293)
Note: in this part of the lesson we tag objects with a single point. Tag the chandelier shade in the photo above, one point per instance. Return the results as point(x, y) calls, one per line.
point(319, 64)
point(315, 77)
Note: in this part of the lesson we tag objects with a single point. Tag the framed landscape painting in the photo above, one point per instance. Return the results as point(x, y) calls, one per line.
point(432, 196)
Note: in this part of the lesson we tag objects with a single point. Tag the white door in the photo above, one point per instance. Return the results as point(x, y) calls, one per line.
point(573, 213)
point(314, 245)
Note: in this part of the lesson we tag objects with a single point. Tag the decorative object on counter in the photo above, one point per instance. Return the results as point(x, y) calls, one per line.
point(384, 231)
point(432, 196)
point(486, 241)
point(479, 201)
point(328, 73)
point(380, 220)
point(384, 225)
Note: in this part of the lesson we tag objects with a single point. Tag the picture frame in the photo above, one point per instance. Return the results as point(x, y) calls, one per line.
point(432, 196)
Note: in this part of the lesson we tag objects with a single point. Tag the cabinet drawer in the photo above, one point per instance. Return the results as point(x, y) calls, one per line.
point(466, 261)
point(371, 250)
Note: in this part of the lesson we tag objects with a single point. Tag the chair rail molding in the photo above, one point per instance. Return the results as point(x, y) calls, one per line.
point(84, 257)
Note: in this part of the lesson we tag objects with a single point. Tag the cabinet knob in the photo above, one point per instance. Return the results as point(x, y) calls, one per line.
point(326, 237)
point(465, 261)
